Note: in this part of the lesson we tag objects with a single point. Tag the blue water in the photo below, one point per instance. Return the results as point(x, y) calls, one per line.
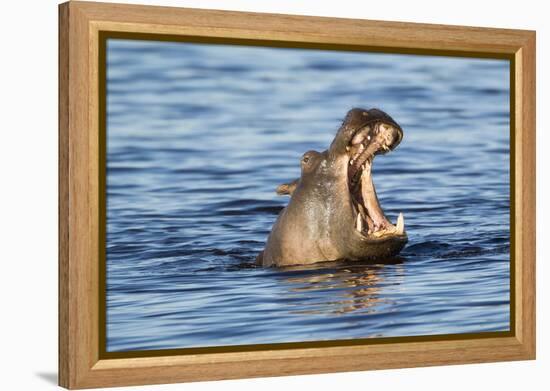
point(199, 136)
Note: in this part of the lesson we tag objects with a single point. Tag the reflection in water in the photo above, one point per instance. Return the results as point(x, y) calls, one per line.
point(347, 288)
point(199, 136)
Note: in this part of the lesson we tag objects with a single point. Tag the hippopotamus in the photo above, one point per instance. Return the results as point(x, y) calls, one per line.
point(334, 213)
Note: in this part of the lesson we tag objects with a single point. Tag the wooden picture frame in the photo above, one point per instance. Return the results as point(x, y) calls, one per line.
point(81, 165)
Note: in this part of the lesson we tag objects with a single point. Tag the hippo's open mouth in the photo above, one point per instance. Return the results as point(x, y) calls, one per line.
point(367, 142)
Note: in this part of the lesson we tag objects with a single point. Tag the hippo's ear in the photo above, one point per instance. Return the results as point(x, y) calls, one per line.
point(287, 188)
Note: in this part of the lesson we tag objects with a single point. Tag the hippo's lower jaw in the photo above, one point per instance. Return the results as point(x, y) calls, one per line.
point(370, 220)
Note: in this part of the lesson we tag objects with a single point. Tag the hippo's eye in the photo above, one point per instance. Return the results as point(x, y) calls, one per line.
point(305, 159)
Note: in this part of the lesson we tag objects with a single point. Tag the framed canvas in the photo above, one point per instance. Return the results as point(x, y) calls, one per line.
point(217, 211)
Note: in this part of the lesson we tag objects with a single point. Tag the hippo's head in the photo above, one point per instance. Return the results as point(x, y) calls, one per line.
point(334, 212)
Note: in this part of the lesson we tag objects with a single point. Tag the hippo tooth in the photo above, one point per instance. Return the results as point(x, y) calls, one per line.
point(359, 223)
point(347, 148)
point(379, 233)
point(351, 162)
point(400, 226)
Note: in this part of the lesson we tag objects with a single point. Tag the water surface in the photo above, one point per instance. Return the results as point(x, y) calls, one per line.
point(199, 136)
